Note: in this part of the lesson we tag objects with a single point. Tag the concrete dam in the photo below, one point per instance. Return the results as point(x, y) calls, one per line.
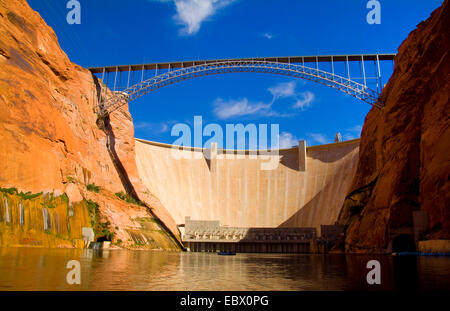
point(225, 198)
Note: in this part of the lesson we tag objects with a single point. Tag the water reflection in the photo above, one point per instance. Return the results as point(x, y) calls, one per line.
point(406, 274)
point(45, 269)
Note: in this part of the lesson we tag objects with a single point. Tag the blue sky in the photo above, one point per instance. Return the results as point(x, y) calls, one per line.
point(114, 32)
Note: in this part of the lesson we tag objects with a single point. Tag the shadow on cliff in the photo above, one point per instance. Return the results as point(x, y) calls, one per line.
point(104, 123)
point(111, 146)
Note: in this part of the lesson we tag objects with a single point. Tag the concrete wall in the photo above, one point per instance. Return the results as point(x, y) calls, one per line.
point(238, 193)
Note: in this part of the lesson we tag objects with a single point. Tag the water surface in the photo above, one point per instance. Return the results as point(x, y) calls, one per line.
point(45, 269)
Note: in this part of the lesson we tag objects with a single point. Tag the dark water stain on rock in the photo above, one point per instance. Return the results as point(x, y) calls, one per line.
point(19, 21)
point(17, 59)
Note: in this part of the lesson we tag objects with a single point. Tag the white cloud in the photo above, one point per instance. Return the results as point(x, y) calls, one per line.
point(348, 137)
point(287, 140)
point(306, 98)
point(158, 128)
point(164, 128)
point(142, 125)
point(268, 35)
point(288, 90)
point(318, 138)
point(352, 133)
point(355, 129)
point(192, 13)
point(282, 90)
point(225, 109)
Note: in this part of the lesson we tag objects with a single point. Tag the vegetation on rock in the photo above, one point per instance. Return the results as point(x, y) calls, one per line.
point(93, 188)
point(101, 228)
point(128, 198)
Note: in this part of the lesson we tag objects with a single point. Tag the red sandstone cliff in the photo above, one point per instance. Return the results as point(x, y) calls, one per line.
point(404, 162)
point(49, 139)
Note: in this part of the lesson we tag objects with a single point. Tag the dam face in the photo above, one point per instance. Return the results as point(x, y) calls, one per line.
point(238, 193)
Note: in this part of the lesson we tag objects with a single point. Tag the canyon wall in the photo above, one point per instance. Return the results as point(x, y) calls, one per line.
point(238, 193)
point(50, 142)
point(404, 163)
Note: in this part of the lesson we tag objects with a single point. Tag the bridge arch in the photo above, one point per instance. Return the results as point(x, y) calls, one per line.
point(182, 71)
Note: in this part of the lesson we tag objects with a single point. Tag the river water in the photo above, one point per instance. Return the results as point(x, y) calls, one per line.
point(45, 269)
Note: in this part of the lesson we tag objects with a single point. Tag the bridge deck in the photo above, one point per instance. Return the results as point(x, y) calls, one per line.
point(283, 59)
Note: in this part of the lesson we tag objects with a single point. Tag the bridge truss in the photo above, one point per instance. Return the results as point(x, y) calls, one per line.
point(133, 81)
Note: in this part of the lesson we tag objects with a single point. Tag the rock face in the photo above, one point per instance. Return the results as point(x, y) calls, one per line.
point(123, 132)
point(41, 220)
point(49, 139)
point(47, 125)
point(404, 162)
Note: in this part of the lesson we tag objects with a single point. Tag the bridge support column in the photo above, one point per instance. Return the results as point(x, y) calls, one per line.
point(302, 155)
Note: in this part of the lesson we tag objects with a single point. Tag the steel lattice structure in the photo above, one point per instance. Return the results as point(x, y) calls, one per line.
point(113, 100)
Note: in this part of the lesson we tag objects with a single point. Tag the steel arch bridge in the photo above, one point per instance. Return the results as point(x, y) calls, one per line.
point(303, 67)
